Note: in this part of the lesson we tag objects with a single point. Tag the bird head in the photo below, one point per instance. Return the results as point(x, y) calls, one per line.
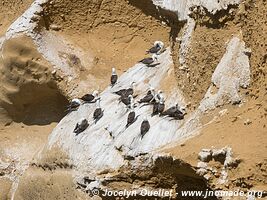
point(133, 84)
point(113, 71)
point(76, 101)
point(160, 92)
point(145, 118)
point(159, 43)
point(183, 109)
point(95, 93)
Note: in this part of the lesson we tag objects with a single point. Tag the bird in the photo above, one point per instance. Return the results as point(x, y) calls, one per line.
point(145, 126)
point(127, 100)
point(159, 95)
point(157, 47)
point(98, 113)
point(126, 92)
point(175, 112)
point(74, 105)
point(90, 98)
point(149, 61)
point(131, 116)
point(161, 106)
point(170, 111)
point(150, 90)
point(149, 96)
point(81, 126)
point(114, 77)
point(158, 107)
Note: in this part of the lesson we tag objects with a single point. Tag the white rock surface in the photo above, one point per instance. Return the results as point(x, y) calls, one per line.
point(205, 155)
point(232, 72)
point(95, 148)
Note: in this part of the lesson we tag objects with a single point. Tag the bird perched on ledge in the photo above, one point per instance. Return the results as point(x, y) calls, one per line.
point(149, 96)
point(149, 62)
point(98, 113)
point(114, 77)
point(81, 126)
point(126, 92)
point(74, 105)
point(175, 112)
point(145, 126)
point(157, 47)
point(90, 98)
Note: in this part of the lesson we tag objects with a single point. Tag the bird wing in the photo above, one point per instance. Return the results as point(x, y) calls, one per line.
point(154, 49)
point(88, 97)
point(146, 98)
point(97, 113)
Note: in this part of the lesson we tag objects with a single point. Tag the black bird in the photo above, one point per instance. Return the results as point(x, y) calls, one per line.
point(127, 100)
point(126, 92)
point(74, 105)
point(178, 115)
point(98, 113)
point(149, 61)
point(171, 111)
point(145, 126)
point(175, 112)
point(154, 49)
point(131, 118)
point(114, 77)
point(158, 107)
point(149, 96)
point(157, 47)
point(81, 126)
point(90, 98)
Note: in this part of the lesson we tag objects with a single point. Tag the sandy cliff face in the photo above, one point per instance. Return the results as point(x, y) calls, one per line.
point(214, 65)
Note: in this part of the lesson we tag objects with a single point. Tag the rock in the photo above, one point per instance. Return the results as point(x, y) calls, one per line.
point(205, 155)
point(247, 122)
point(219, 155)
point(207, 176)
point(202, 165)
point(55, 27)
point(201, 172)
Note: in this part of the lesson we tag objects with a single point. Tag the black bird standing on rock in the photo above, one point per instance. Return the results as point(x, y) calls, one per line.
point(90, 98)
point(149, 61)
point(114, 77)
point(149, 96)
point(127, 100)
point(131, 116)
point(171, 111)
point(145, 126)
point(126, 92)
point(98, 113)
point(81, 126)
point(157, 48)
point(175, 112)
point(158, 107)
point(74, 105)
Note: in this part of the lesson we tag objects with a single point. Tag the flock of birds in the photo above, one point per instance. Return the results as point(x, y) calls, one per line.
point(126, 96)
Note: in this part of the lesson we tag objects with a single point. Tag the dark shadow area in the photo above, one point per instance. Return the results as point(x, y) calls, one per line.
point(169, 17)
point(36, 104)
